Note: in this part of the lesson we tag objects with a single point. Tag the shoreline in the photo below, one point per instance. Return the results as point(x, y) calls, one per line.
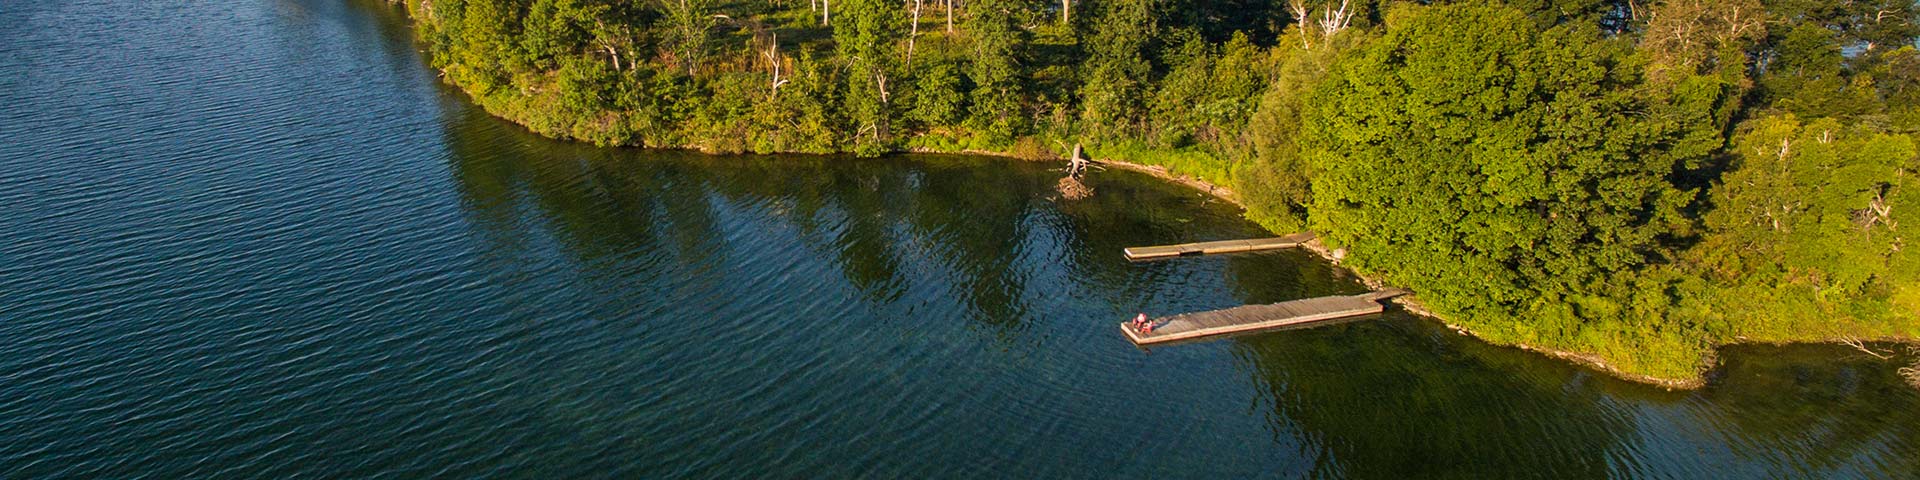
point(1411, 302)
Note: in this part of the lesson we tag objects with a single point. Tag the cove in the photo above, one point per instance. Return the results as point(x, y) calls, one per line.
point(260, 239)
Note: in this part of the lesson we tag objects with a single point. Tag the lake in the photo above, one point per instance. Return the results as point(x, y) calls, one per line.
point(260, 240)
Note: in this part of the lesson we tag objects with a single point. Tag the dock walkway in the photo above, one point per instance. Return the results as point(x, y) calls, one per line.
point(1213, 248)
point(1249, 318)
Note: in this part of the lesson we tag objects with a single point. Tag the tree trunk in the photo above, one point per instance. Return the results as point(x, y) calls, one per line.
point(1077, 164)
point(913, 32)
point(826, 12)
point(1066, 12)
point(1336, 20)
point(1304, 21)
point(773, 59)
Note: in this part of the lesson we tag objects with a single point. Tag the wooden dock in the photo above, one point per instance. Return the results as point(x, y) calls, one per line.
point(1188, 326)
point(1214, 248)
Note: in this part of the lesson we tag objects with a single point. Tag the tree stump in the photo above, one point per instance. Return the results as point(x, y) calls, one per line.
point(1070, 186)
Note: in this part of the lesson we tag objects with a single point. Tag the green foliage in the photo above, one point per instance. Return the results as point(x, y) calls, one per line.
point(805, 117)
point(1174, 119)
point(1817, 204)
point(688, 27)
point(1209, 93)
point(556, 28)
point(994, 42)
point(1807, 76)
point(939, 97)
point(1274, 180)
point(715, 124)
point(866, 35)
point(1633, 182)
point(1504, 169)
point(1807, 226)
point(1700, 37)
point(1117, 72)
point(1898, 75)
point(1885, 23)
point(1548, 13)
point(479, 46)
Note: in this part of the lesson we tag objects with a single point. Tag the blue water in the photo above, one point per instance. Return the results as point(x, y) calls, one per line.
point(259, 240)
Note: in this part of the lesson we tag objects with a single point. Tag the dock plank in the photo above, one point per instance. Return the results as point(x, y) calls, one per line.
point(1248, 318)
point(1220, 247)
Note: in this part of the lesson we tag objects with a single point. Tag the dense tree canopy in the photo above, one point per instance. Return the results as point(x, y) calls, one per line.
point(1634, 181)
point(1508, 170)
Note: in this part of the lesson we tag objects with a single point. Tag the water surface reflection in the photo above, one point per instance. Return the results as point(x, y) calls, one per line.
point(267, 244)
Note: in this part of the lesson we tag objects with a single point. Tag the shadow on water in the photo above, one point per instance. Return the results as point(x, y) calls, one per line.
point(983, 227)
point(269, 249)
point(1398, 395)
point(1371, 399)
point(1405, 395)
point(1823, 409)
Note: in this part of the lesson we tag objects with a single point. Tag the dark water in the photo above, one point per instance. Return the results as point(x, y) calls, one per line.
point(256, 239)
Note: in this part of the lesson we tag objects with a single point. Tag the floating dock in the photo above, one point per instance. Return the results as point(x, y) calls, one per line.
point(1188, 326)
point(1214, 248)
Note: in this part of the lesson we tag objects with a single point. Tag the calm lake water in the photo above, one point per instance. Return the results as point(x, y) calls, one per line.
point(257, 239)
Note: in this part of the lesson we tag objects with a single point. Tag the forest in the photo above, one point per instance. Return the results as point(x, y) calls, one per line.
point(1633, 183)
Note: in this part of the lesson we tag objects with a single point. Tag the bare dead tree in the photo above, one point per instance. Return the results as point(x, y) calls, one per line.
point(1334, 21)
point(1685, 35)
point(1877, 212)
point(1078, 166)
point(609, 39)
point(1331, 22)
point(1300, 15)
point(1740, 23)
point(774, 65)
point(614, 53)
point(913, 31)
point(1078, 163)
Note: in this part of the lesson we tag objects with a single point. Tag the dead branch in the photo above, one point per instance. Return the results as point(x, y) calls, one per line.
point(1862, 346)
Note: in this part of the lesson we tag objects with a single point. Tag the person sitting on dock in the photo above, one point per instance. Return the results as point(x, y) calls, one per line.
point(1142, 324)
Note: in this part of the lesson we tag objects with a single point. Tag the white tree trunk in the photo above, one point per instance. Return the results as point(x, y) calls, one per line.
point(613, 53)
point(913, 32)
point(1305, 22)
point(1336, 20)
point(773, 59)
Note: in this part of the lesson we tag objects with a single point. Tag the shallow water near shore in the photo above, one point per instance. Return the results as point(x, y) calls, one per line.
point(258, 239)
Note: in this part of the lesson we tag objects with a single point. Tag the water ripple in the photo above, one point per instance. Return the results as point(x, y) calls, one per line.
point(265, 244)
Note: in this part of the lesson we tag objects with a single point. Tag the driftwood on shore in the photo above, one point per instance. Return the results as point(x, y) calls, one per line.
point(1072, 186)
